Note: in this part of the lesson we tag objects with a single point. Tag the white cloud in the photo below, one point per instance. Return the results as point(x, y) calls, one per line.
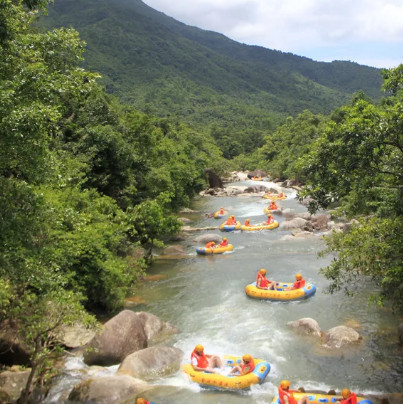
point(293, 25)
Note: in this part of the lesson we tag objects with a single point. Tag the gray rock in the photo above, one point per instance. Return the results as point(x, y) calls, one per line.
point(296, 223)
point(174, 250)
point(152, 363)
point(257, 173)
point(107, 390)
point(306, 326)
point(391, 398)
point(13, 383)
point(340, 336)
point(187, 210)
point(320, 222)
point(154, 326)
point(400, 333)
point(77, 335)
point(205, 238)
point(184, 220)
point(256, 188)
point(120, 336)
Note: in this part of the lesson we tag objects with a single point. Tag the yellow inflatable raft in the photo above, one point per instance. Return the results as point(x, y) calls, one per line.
point(219, 215)
point(281, 295)
point(257, 179)
point(221, 382)
point(274, 197)
point(230, 227)
point(258, 227)
point(218, 250)
point(315, 398)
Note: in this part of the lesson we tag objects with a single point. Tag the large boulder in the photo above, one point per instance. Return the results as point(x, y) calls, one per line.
point(77, 335)
point(239, 176)
point(205, 238)
point(13, 350)
point(213, 179)
point(320, 222)
point(107, 390)
point(152, 363)
point(120, 336)
point(174, 250)
point(339, 336)
point(296, 223)
point(306, 326)
point(257, 173)
point(400, 333)
point(154, 326)
point(388, 398)
point(13, 383)
point(256, 188)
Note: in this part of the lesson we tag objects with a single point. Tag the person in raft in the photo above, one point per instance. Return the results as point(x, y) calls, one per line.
point(222, 211)
point(282, 195)
point(247, 223)
point(300, 283)
point(348, 397)
point(210, 244)
point(230, 221)
point(270, 219)
point(141, 400)
point(273, 206)
point(224, 242)
point(263, 283)
point(248, 366)
point(286, 397)
point(204, 362)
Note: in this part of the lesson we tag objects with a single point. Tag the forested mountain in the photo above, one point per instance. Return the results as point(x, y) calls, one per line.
point(163, 66)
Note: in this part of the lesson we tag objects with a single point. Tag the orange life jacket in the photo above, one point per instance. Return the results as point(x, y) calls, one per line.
point(299, 284)
point(229, 222)
point(202, 361)
point(250, 365)
point(282, 393)
point(247, 224)
point(222, 212)
point(209, 245)
point(269, 220)
point(224, 243)
point(263, 281)
point(351, 400)
point(273, 206)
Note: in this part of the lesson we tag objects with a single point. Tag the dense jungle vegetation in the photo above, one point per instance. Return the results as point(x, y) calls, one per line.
point(235, 92)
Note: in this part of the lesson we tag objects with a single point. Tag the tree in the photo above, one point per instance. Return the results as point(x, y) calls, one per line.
point(359, 162)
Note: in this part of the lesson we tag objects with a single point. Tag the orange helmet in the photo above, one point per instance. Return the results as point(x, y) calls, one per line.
point(141, 401)
point(247, 220)
point(212, 243)
point(269, 215)
point(285, 384)
point(263, 271)
point(247, 358)
point(225, 239)
point(222, 208)
point(345, 393)
point(298, 277)
point(199, 348)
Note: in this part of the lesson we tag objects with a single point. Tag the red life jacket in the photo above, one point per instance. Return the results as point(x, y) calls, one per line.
point(224, 243)
point(209, 245)
point(282, 393)
point(202, 361)
point(247, 224)
point(270, 220)
point(351, 400)
point(250, 365)
point(229, 222)
point(299, 284)
point(263, 281)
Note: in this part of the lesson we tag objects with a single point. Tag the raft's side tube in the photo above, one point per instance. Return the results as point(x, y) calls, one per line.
point(315, 398)
point(218, 215)
point(218, 250)
point(225, 227)
point(281, 295)
point(260, 227)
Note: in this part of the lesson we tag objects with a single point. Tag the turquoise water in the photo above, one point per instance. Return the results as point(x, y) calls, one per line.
point(204, 297)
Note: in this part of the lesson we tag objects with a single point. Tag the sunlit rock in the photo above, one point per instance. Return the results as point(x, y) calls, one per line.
point(306, 326)
point(340, 336)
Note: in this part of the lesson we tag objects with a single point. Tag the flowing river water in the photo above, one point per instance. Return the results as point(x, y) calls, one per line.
point(204, 297)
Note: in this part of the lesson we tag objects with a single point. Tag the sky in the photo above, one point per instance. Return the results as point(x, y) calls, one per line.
point(369, 32)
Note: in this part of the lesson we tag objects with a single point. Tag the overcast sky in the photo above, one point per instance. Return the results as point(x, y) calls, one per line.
point(368, 32)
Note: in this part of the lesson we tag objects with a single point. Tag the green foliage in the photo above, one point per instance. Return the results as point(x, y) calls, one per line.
point(288, 143)
point(235, 92)
point(358, 160)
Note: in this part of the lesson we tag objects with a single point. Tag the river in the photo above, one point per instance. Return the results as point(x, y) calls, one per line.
point(204, 297)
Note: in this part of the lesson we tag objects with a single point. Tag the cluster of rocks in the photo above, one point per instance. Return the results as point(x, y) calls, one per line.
point(240, 191)
point(126, 340)
point(336, 337)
